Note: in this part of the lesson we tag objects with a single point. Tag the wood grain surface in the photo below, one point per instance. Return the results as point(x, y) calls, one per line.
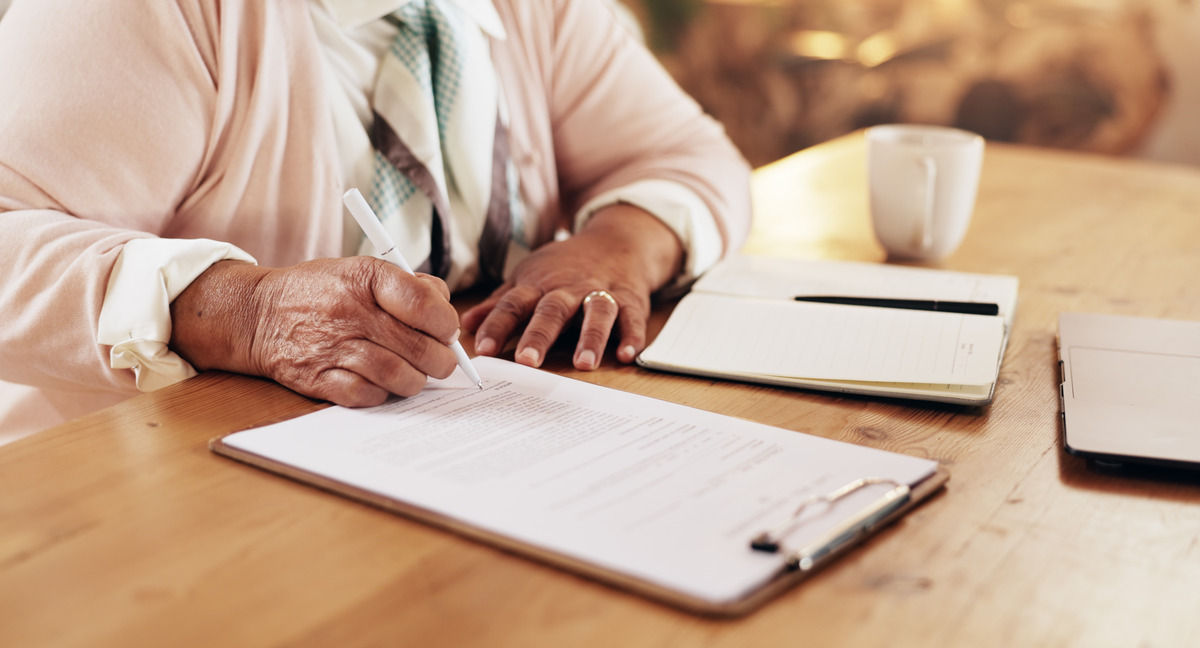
point(123, 529)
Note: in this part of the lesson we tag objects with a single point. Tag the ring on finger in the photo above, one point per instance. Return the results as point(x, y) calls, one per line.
point(600, 294)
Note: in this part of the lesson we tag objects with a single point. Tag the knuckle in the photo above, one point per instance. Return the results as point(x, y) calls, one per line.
point(367, 396)
point(438, 316)
point(423, 355)
point(411, 344)
point(509, 308)
point(633, 319)
point(410, 383)
point(633, 331)
point(594, 337)
point(347, 389)
point(633, 303)
point(352, 354)
point(538, 337)
point(445, 367)
point(437, 285)
point(424, 290)
point(557, 306)
point(504, 318)
point(509, 311)
point(360, 273)
point(518, 302)
point(296, 371)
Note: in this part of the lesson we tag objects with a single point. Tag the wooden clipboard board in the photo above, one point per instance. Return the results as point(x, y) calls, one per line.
point(784, 579)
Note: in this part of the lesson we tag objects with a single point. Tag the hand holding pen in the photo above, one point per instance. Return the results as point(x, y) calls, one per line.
point(352, 330)
point(386, 249)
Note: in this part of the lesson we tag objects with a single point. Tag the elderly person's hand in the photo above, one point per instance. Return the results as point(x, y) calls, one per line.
point(350, 331)
point(608, 271)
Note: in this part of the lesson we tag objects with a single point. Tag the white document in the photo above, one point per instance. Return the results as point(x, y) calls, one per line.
point(652, 490)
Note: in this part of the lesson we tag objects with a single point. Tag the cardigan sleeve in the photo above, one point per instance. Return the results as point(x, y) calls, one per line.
point(622, 125)
point(105, 123)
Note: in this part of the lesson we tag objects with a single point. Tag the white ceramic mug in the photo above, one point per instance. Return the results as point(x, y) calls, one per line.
point(922, 182)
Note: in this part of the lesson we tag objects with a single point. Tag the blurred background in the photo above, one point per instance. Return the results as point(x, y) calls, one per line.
point(1118, 77)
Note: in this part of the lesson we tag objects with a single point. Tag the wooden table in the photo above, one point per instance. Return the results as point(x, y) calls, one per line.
point(122, 529)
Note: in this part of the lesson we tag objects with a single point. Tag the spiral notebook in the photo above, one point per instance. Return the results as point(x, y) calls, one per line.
point(706, 512)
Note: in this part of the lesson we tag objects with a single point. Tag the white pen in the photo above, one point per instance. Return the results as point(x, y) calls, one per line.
point(370, 224)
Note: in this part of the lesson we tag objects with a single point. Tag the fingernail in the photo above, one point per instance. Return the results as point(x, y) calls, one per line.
point(530, 356)
point(485, 346)
point(587, 359)
point(628, 353)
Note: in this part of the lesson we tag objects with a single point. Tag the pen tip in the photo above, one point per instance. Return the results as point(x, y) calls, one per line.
point(479, 384)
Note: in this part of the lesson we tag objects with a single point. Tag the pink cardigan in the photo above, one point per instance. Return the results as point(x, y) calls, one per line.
point(207, 119)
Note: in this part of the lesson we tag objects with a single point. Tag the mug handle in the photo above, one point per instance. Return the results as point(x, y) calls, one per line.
point(930, 167)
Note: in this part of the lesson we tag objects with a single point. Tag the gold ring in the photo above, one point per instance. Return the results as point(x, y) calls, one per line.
point(600, 294)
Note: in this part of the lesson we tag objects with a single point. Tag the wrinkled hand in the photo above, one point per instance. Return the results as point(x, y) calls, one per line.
point(622, 250)
point(350, 331)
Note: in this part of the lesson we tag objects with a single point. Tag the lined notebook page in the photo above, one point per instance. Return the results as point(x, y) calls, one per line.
point(744, 335)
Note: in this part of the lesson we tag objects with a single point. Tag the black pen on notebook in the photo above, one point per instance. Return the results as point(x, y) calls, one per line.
point(384, 246)
point(967, 308)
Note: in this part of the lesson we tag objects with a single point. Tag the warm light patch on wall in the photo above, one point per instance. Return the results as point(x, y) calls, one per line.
point(876, 49)
point(832, 46)
point(819, 45)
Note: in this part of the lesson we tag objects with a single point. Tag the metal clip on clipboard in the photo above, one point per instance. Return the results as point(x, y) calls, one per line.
point(803, 558)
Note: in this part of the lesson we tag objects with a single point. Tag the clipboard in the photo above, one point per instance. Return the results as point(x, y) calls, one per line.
point(796, 564)
point(889, 501)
